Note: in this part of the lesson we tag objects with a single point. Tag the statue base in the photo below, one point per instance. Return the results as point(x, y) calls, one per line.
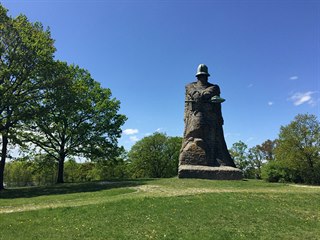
point(207, 172)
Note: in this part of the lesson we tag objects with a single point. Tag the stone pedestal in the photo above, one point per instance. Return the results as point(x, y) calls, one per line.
point(207, 172)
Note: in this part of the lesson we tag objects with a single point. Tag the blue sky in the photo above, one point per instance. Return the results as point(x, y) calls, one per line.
point(264, 55)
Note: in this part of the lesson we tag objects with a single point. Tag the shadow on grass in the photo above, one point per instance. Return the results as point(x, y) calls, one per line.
point(67, 188)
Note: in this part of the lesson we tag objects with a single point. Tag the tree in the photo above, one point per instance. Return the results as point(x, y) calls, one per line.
point(71, 171)
point(44, 169)
point(155, 156)
point(267, 149)
point(298, 148)
point(256, 160)
point(19, 173)
point(239, 152)
point(26, 49)
point(259, 155)
point(114, 168)
point(77, 117)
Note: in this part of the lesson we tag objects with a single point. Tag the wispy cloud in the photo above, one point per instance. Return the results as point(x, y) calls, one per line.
point(134, 139)
point(293, 77)
point(250, 85)
point(299, 98)
point(130, 131)
point(250, 139)
point(228, 134)
point(270, 103)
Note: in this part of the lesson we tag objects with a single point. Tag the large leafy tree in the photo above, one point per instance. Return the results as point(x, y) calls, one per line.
point(26, 49)
point(77, 117)
point(298, 147)
point(155, 156)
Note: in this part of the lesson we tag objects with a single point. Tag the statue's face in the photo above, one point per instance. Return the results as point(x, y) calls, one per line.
point(203, 78)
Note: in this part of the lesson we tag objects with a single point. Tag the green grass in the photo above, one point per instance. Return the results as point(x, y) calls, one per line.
point(162, 209)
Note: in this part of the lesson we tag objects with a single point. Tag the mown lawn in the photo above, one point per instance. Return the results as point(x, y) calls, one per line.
point(162, 209)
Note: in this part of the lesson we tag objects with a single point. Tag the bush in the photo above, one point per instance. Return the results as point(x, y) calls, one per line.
point(274, 172)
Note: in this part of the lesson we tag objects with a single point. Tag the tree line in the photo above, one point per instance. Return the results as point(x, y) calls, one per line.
point(42, 170)
point(155, 156)
point(293, 157)
point(48, 106)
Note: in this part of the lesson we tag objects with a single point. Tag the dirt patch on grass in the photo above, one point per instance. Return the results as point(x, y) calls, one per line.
point(168, 192)
point(162, 191)
point(304, 186)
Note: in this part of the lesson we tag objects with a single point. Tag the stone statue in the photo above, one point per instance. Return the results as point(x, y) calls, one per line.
point(204, 143)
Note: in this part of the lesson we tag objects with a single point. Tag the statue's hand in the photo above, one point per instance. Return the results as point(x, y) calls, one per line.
point(217, 99)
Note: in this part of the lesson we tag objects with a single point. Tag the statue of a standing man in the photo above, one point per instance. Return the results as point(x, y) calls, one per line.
point(204, 142)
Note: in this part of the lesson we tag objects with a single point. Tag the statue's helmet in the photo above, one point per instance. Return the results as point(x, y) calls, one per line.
point(202, 70)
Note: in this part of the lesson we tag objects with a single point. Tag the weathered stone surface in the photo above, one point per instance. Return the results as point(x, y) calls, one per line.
point(203, 142)
point(207, 172)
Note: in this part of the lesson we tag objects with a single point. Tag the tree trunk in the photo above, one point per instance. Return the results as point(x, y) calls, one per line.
point(61, 168)
point(3, 159)
point(311, 169)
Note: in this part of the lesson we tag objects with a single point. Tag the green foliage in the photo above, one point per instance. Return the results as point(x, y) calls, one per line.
point(26, 50)
point(44, 170)
point(118, 168)
point(41, 170)
point(76, 117)
point(71, 171)
point(267, 149)
point(298, 149)
point(60, 109)
point(255, 158)
point(239, 153)
point(94, 171)
point(251, 160)
point(18, 173)
point(276, 172)
point(155, 156)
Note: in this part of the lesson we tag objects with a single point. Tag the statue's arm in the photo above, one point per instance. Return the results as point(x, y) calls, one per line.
point(216, 90)
point(218, 105)
point(187, 101)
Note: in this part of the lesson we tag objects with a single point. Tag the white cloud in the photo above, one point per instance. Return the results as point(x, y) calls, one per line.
point(270, 103)
point(159, 130)
point(130, 131)
point(293, 77)
point(250, 139)
point(299, 98)
point(134, 139)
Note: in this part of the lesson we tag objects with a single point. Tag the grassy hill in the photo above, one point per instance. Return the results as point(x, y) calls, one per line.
point(162, 209)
